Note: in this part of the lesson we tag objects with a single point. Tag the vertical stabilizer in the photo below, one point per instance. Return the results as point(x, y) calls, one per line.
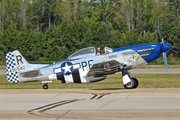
point(15, 63)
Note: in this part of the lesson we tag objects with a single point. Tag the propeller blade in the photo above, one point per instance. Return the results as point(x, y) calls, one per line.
point(161, 36)
point(163, 49)
point(165, 61)
point(162, 40)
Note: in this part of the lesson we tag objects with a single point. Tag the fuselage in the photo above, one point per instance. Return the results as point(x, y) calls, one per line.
point(137, 55)
point(84, 66)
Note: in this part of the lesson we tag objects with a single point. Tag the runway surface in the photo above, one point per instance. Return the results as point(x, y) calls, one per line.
point(159, 71)
point(2, 71)
point(90, 104)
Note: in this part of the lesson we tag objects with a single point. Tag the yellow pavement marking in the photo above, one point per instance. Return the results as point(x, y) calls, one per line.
point(98, 96)
point(40, 111)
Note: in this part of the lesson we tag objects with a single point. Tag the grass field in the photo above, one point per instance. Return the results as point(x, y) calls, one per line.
point(146, 66)
point(112, 81)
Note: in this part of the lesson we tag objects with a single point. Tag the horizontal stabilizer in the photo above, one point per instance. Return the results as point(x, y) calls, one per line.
point(32, 73)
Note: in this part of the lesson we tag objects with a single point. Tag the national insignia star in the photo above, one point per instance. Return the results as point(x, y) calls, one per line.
point(67, 68)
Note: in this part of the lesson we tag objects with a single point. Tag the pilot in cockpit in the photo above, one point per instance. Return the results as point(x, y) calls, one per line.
point(99, 51)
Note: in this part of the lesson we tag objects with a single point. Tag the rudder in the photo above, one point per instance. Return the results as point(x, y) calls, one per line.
point(15, 63)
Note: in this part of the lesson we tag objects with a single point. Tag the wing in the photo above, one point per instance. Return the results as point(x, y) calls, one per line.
point(107, 67)
point(30, 73)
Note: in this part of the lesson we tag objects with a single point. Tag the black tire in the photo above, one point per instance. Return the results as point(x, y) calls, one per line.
point(45, 86)
point(133, 84)
point(136, 82)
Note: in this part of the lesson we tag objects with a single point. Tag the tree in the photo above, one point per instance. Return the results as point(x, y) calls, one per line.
point(2, 15)
point(127, 11)
point(158, 13)
point(48, 6)
point(24, 6)
point(53, 29)
point(64, 10)
point(173, 10)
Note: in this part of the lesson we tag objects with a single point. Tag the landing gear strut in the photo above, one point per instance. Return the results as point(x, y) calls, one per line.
point(45, 86)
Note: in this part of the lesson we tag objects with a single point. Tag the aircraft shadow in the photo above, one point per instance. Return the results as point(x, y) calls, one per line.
point(109, 89)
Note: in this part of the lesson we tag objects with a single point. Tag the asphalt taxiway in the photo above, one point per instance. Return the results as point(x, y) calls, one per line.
point(90, 104)
point(157, 71)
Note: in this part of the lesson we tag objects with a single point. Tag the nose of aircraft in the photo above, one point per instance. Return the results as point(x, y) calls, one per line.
point(166, 47)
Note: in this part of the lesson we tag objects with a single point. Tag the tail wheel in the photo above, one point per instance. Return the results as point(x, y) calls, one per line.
point(133, 84)
point(45, 86)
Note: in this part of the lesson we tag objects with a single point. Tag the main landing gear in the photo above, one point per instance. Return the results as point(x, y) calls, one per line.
point(45, 86)
point(128, 81)
point(132, 84)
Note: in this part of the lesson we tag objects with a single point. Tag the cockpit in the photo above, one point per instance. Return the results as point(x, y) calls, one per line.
point(108, 50)
point(87, 52)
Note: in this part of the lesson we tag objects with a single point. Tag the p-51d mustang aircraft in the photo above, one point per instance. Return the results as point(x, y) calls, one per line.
point(85, 67)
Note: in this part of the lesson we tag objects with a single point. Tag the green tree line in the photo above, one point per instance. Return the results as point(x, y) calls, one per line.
point(51, 30)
